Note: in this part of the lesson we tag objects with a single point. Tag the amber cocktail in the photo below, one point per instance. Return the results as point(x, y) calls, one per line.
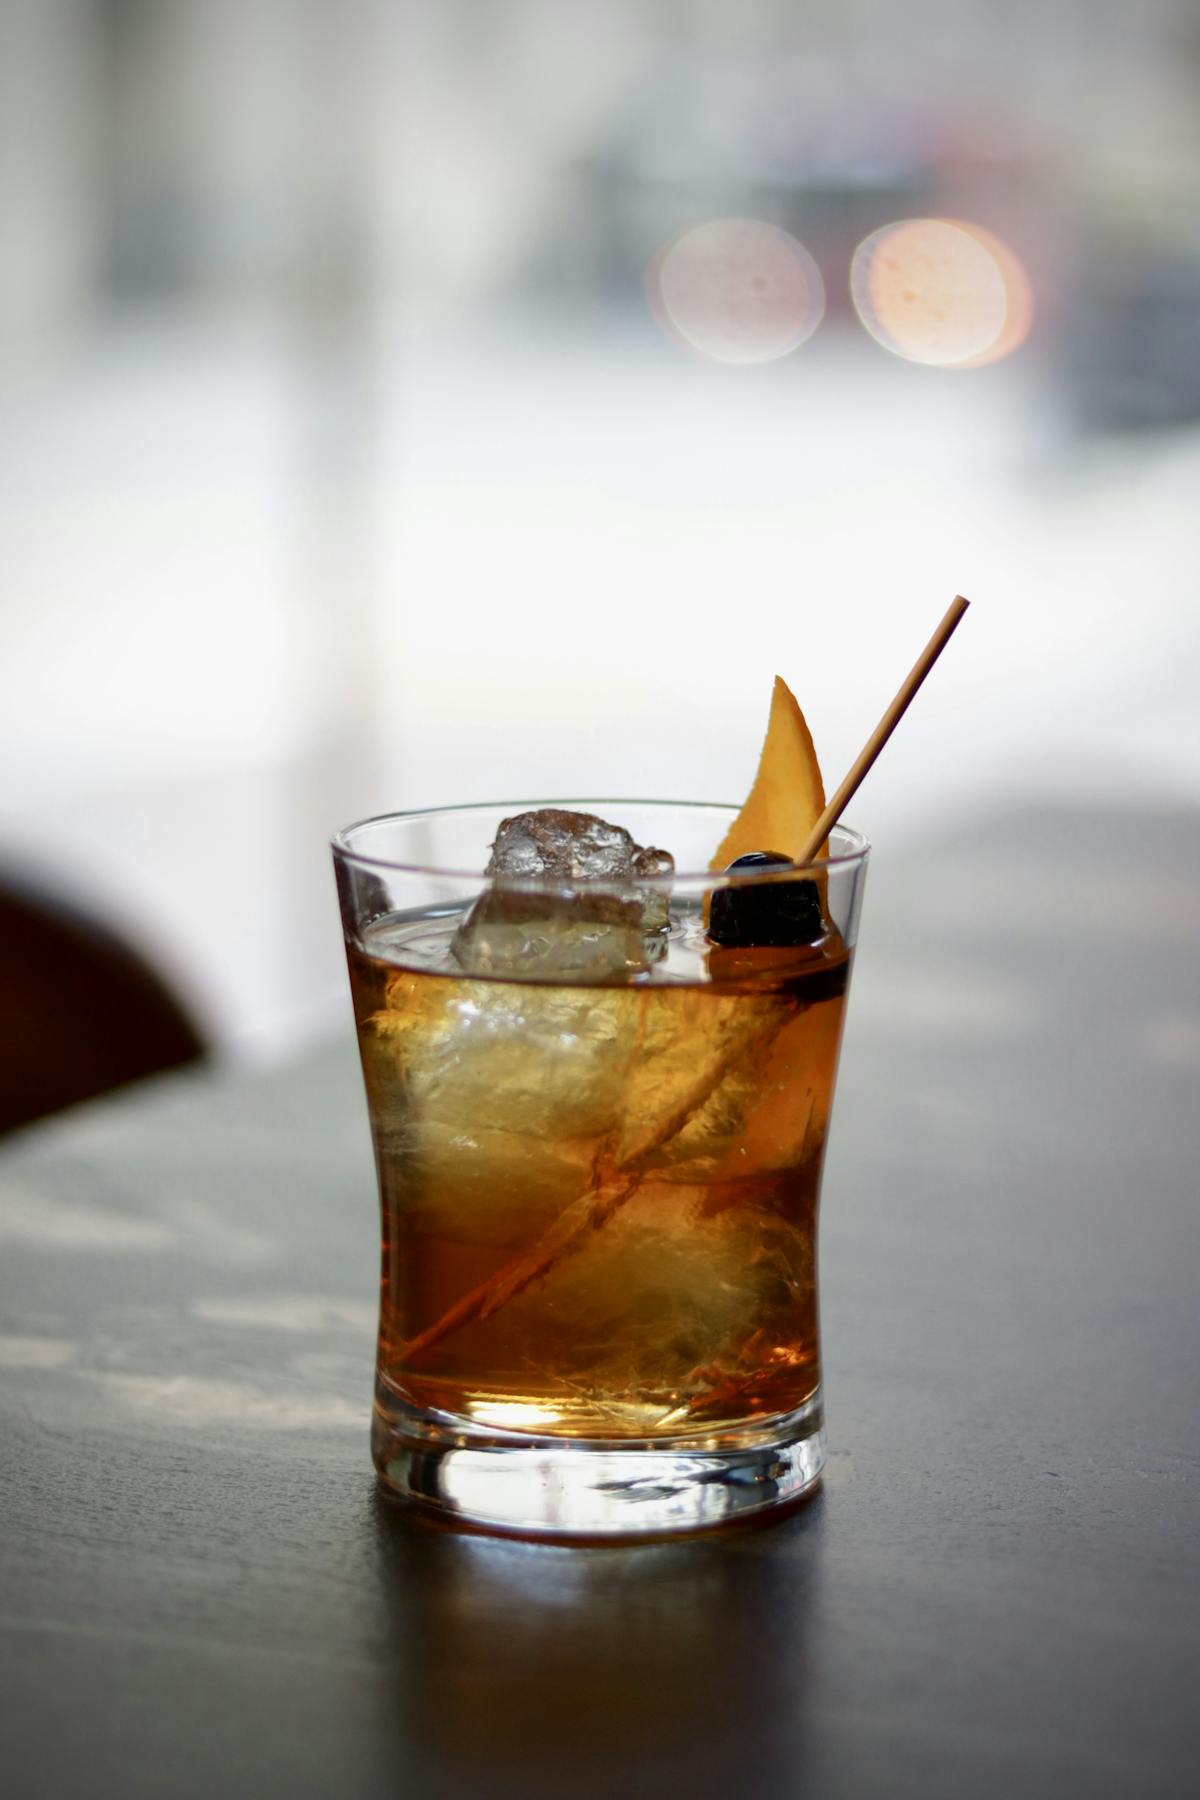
point(599, 1116)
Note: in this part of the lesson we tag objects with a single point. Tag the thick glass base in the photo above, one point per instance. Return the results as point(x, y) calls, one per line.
point(568, 1488)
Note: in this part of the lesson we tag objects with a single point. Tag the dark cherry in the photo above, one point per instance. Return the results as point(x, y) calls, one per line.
point(771, 912)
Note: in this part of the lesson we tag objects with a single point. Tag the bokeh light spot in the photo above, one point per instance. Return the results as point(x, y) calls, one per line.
point(942, 292)
point(736, 291)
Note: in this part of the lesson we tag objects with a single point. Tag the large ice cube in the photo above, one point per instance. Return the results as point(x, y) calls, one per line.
point(553, 841)
point(568, 927)
point(489, 1101)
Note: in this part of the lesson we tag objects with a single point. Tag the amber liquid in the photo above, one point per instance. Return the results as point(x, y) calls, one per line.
point(599, 1203)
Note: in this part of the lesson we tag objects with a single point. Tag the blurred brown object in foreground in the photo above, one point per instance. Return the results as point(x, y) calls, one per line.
point(80, 1012)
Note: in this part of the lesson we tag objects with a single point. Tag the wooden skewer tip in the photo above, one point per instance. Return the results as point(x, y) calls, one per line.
point(883, 731)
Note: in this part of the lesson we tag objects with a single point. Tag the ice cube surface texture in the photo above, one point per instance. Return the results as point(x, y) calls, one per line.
point(588, 917)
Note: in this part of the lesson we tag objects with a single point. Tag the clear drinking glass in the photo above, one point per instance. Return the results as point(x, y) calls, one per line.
point(598, 1187)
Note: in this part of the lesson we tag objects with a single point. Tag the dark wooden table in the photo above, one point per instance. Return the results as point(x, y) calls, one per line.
point(203, 1593)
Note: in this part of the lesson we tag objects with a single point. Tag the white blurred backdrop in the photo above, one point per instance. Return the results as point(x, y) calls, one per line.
point(356, 451)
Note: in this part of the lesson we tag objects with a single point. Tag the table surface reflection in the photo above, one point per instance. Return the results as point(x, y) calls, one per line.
point(203, 1590)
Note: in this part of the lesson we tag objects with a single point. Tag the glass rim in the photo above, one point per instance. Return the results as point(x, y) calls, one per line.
point(344, 850)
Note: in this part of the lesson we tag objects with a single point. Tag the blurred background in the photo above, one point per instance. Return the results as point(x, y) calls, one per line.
point(416, 402)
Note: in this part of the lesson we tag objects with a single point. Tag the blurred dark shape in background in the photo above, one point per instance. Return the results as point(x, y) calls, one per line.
point(1130, 359)
point(82, 1012)
point(333, 416)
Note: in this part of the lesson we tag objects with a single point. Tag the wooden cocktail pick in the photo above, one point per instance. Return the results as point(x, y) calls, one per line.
point(882, 731)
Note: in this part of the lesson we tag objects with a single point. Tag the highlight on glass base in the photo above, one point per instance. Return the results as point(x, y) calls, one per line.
point(539, 1486)
point(599, 1075)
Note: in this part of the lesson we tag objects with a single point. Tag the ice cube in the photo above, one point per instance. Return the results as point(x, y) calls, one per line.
point(568, 927)
point(669, 1286)
point(553, 841)
point(490, 1100)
